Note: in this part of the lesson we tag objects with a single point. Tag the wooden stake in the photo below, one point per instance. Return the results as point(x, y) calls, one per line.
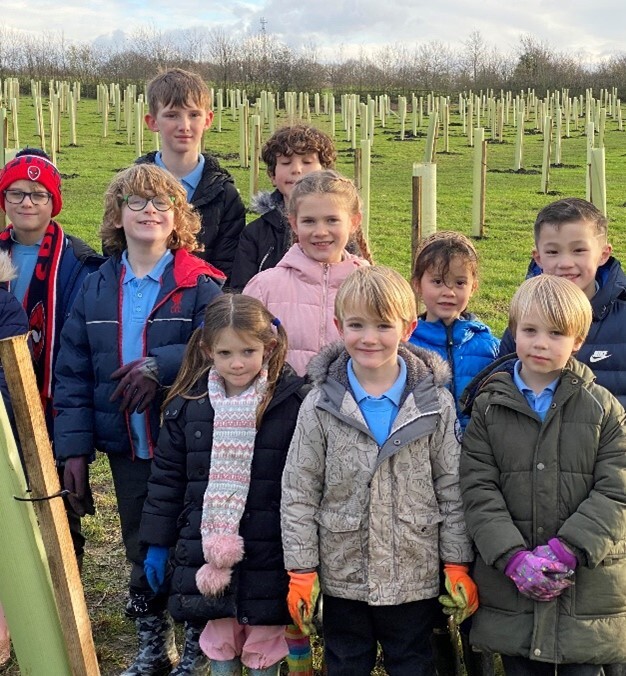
point(44, 481)
point(547, 148)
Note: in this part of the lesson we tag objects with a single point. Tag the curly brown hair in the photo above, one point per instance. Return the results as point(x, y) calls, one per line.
point(437, 251)
point(298, 139)
point(148, 180)
point(177, 87)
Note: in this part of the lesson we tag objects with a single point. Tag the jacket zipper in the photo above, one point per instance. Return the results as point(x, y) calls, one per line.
point(325, 276)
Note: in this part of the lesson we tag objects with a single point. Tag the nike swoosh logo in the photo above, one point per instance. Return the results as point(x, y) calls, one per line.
point(593, 359)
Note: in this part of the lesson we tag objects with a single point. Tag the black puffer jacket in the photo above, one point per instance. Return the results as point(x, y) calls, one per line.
point(173, 509)
point(264, 241)
point(223, 213)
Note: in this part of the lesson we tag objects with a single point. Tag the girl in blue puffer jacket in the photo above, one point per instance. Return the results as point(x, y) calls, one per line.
point(445, 276)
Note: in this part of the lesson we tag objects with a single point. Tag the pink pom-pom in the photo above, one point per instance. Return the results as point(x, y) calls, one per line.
point(212, 581)
point(223, 550)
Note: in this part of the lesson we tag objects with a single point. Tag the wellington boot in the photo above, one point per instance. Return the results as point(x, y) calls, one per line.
point(226, 667)
point(157, 648)
point(273, 670)
point(193, 661)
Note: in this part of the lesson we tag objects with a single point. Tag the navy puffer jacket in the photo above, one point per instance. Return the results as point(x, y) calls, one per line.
point(91, 351)
point(172, 512)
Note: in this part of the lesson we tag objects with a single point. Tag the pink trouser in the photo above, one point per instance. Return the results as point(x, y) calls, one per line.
point(258, 647)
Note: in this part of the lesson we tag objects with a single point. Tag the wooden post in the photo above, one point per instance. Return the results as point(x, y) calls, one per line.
point(590, 128)
point(479, 182)
point(416, 213)
point(433, 124)
point(44, 481)
point(357, 168)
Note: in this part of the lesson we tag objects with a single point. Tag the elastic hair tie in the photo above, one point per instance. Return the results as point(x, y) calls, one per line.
point(276, 322)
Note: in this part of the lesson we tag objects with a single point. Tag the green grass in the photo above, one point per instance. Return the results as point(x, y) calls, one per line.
point(513, 200)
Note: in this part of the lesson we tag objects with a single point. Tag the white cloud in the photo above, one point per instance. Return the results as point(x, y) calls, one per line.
point(584, 30)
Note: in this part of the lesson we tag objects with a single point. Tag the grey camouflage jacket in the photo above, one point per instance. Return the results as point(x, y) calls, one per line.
point(375, 521)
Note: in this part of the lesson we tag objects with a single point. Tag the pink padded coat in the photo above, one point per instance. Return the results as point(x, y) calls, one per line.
point(301, 292)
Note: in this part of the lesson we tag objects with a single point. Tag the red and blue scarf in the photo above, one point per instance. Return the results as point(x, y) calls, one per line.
point(40, 303)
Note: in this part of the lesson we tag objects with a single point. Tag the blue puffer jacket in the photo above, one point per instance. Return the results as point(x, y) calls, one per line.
point(604, 351)
point(467, 345)
point(91, 351)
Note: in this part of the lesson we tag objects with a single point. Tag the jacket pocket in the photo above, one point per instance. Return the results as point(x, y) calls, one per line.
point(341, 549)
point(416, 545)
point(600, 591)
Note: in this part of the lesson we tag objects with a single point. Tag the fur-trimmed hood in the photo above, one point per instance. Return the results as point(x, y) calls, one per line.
point(266, 201)
point(7, 269)
point(332, 362)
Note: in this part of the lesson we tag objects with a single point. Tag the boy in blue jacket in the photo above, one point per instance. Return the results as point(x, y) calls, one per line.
point(122, 344)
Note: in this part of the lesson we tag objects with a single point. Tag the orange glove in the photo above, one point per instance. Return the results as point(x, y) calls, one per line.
point(304, 589)
point(462, 598)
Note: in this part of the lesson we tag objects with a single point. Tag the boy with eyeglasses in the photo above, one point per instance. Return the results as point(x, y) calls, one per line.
point(124, 343)
point(30, 194)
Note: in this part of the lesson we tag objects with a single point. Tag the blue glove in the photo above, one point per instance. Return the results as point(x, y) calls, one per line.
point(154, 566)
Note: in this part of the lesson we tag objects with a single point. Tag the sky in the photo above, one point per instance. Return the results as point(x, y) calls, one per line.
point(587, 30)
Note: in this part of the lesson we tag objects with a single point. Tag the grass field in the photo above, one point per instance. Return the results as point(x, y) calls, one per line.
point(513, 200)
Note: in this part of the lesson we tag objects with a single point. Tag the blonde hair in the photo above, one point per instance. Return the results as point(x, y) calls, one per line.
point(179, 88)
point(556, 301)
point(381, 291)
point(245, 315)
point(148, 180)
point(342, 189)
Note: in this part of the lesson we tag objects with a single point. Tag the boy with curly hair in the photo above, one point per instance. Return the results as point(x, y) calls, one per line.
point(290, 153)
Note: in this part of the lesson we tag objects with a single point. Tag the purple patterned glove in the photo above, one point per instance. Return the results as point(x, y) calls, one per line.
point(538, 577)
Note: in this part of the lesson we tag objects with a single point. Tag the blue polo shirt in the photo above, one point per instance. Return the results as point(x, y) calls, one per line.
point(540, 403)
point(379, 412)
point(138, 298)
point(24, 258)
point(190, 182)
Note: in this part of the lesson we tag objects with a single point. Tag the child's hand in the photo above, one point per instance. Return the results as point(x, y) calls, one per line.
point(138, 384)
point(154, 566)
point(539, 578)
point(304, 590)
point(462, 598)
point(555, 550)
point(76, 481)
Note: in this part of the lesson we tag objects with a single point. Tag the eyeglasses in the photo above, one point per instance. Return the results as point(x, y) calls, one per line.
point(17, 197)
point(139, 203)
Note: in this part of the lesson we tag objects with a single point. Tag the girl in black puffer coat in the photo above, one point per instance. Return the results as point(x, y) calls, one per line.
point(215, 489)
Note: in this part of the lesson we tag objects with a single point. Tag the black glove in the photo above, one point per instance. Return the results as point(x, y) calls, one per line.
point(76, 481)
point(138, 386)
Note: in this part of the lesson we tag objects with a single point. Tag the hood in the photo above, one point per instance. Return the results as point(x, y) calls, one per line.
point(611, 280)
point(187, 269)
point(7, 269)
point(491, 375)
point(436, 333)
point(332, 361)
point(265, 201)
point(296, 259)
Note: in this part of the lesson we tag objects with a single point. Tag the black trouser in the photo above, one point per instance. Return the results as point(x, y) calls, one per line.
point(130, 480)
point(352, 630)
point(521, 666)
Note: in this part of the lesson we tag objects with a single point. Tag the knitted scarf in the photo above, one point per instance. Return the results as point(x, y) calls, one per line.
point(234, 434)
point(40, 303)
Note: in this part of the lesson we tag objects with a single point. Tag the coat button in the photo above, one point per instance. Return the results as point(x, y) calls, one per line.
point(244, 620)
point(540, 465)
point(552, 405)
point(537, 652)
point(201, 401)
point(574, 381)
point(396, 442)
point(540, 529)
point(197, 434)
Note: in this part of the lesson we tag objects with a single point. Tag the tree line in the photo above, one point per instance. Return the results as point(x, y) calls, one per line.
point(261, 61)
